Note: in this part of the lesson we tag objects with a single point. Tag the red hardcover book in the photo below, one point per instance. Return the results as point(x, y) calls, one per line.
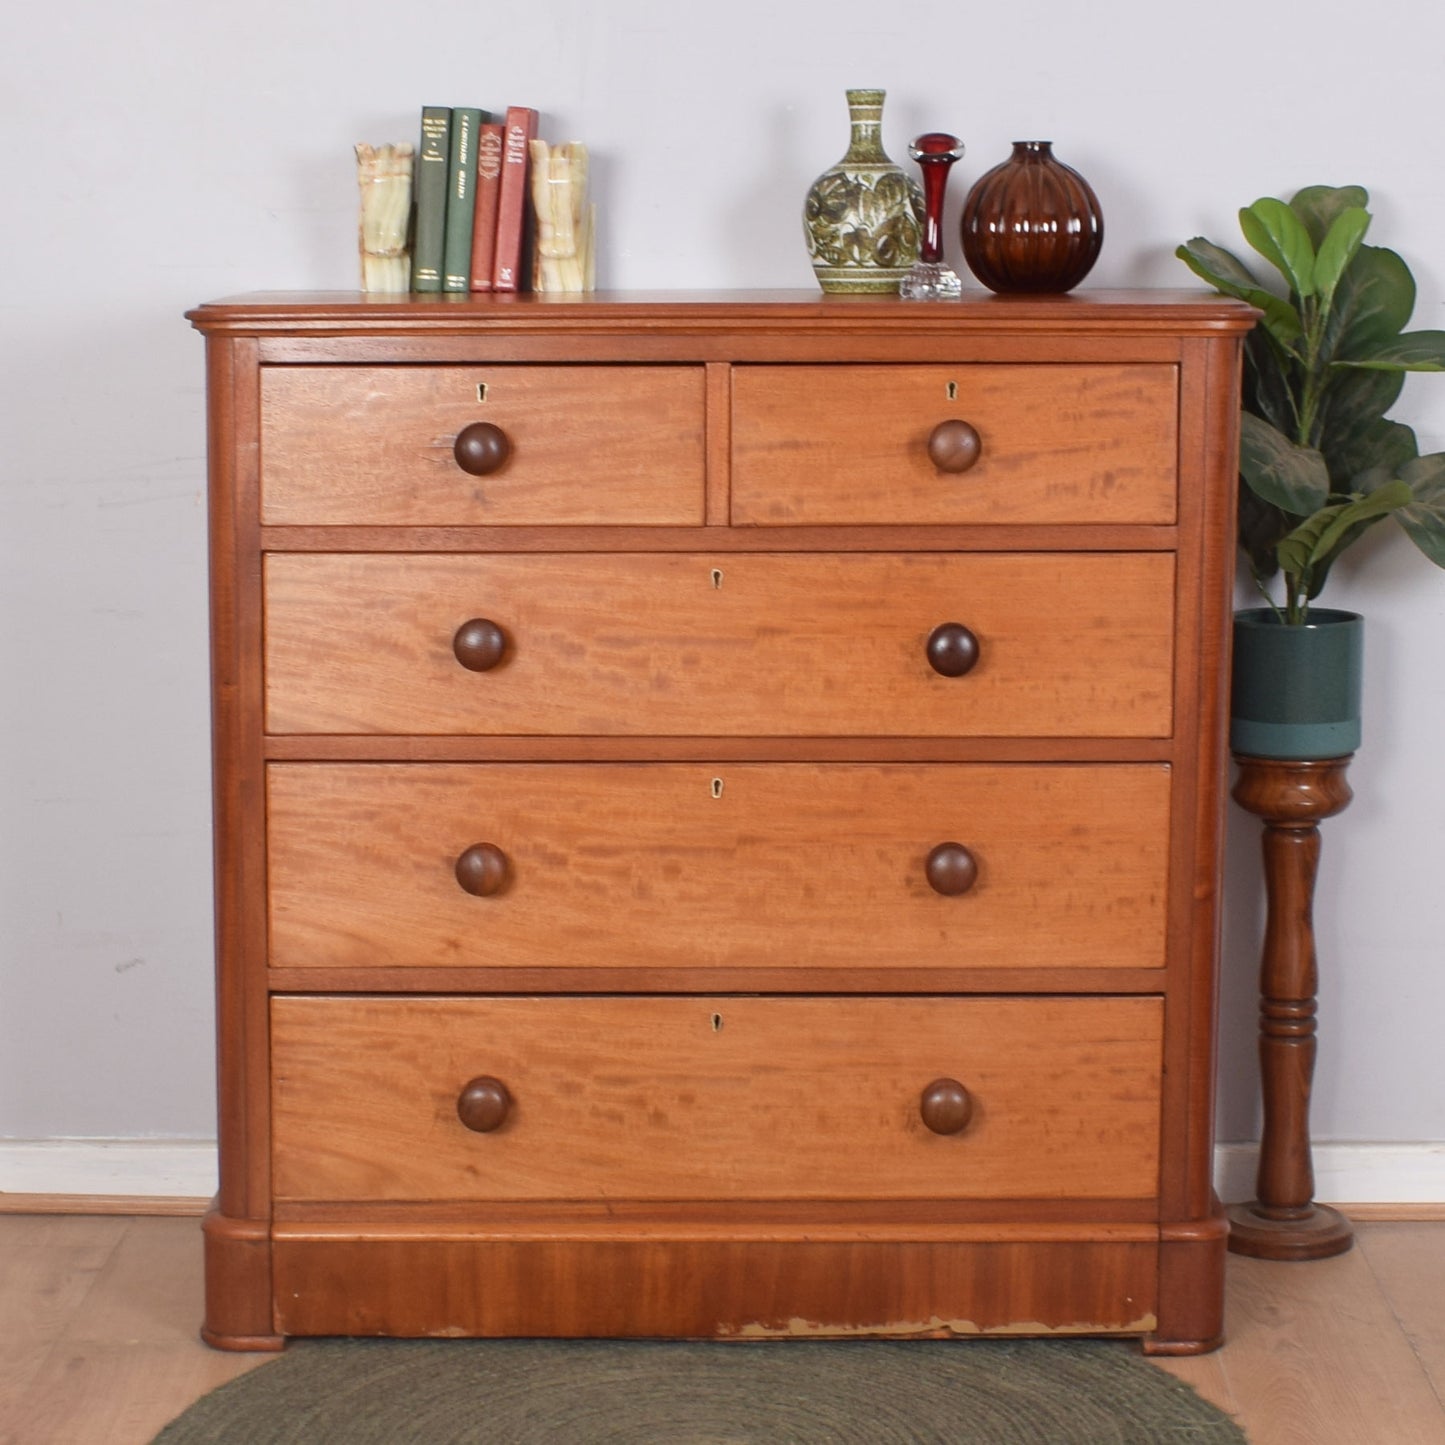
point(512, 206)
point(488, 192)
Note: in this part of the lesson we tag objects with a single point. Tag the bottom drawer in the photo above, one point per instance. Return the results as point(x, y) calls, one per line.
point(683, 1098)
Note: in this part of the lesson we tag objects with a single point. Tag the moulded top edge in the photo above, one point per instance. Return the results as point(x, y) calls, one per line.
point(340, 312)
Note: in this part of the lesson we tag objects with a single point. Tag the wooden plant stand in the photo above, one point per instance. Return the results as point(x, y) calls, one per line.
point(1284, 1222)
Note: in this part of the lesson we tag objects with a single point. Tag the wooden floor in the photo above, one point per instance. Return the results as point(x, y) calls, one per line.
point(98, 1336)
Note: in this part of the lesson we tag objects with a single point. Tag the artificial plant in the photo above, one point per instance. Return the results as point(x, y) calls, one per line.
point(1319, 461)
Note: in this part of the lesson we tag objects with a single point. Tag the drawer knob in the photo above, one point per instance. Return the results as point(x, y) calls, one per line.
point(483, 1104)
point(951, 869)
point(479, 644)
point(954, 446)
point(481, 449)
point(482, 870)
point(946, 1107)
point(952, 649)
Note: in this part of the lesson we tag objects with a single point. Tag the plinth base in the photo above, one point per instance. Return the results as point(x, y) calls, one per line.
point(1317, 1235)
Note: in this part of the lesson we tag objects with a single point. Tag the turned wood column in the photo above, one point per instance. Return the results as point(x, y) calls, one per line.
point(1284, 1222)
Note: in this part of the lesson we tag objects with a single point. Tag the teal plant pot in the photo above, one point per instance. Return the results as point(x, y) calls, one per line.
point(1296, 690)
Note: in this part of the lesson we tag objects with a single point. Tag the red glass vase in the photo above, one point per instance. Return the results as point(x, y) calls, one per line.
point(1032, 223)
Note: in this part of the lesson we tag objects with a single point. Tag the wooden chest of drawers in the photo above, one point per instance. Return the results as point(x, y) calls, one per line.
point(718, 814)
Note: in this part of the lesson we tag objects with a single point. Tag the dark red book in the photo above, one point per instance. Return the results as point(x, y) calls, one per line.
point(512, 205)
point(488, 193)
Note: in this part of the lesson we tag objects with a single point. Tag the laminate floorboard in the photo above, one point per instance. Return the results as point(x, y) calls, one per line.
point(1413, 1280)
point(98, 1342)
point(98, 1320)
point(1317, 1353)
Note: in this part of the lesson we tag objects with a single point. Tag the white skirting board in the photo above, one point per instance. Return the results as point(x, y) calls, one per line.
point(139, 1168)
point(1344, 1173)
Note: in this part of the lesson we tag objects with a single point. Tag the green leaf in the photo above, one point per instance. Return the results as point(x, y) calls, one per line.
point(1260, 528)
point(1293, 478)
point(1373, 302)
point(1424, 517)
point(1267, 388)
point(1319, 537)
point(1379, 444)
point(1318, 206)
point(1280, 237)
point(1338, 249)
point(1227, 273)
point(1414, 351)
point(1353, 404)
point(1354, 396)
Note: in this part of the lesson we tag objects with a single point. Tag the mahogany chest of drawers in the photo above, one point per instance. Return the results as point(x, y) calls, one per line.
point(718, 814)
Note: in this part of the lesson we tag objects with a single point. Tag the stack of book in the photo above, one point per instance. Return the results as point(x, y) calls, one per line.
point(471, 200)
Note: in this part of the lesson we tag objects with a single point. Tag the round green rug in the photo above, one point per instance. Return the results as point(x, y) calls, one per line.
point(607, 1392)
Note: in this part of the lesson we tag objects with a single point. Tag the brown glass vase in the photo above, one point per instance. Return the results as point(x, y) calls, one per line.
point(1032, 223)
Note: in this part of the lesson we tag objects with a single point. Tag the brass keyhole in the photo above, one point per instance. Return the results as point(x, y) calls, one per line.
point(481, 391)
point(953, 391)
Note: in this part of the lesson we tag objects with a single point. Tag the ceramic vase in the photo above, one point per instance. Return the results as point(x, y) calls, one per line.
point(1296, 691)
point(863, 217)
point(1032, 223)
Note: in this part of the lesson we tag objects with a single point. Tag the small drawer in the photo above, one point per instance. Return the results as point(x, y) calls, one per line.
point(734, 865)
point(391, 445)
point(962, 444)
point(931, 644)
point(654, 1098)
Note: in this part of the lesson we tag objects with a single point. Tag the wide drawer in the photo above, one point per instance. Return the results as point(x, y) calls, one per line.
point(1077, 644)
point(735, 865)
point(1058, 444)
point(357, 445)
point(713, 1098)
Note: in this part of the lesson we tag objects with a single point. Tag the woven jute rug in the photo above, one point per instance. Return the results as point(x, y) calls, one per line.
point(564, 1392)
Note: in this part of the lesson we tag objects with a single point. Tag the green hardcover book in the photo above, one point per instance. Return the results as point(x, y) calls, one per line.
point(433, 157)
point(461, 198)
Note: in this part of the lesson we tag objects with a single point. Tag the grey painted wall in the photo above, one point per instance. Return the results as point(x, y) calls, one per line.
point(161, 153)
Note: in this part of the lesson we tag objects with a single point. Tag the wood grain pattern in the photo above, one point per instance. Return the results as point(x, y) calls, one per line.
point(668, 620)
point(742, 1290)
point(715, 1098)
point(831, 444)
point(238, 784)
point(716, 538)
point(800, 866)
point(1208, 486)
point(602, 444)
point(782, 321)
point(1072, 646)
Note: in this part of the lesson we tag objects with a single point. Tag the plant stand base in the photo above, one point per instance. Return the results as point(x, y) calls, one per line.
point(1318, 1234)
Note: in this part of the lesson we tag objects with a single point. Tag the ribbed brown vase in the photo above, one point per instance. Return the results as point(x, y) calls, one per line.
point(1032, 223)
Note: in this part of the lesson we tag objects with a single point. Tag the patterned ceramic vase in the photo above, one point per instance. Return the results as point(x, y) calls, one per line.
point(863, 216)
point(1032, 223)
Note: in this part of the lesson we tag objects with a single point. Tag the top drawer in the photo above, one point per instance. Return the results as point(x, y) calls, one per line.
point(1057, 444)
point(584, 445)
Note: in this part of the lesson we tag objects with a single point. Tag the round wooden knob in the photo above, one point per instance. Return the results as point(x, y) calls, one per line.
point(479, 644)
point(954, 446)
point(946, 1107)
point(483, 1104)
point(951, 869)
point(952, 649)
point(482, 870)
point(481, 449)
